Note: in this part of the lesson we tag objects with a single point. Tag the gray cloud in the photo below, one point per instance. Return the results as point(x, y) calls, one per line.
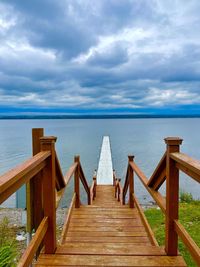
point(108, 55)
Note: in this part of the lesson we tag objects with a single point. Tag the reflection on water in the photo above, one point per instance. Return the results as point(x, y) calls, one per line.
point(141, 137)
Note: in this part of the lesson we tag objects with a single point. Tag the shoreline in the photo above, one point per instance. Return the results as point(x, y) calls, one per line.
point(17, 216)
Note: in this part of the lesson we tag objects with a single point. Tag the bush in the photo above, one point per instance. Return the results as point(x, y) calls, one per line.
point(186, 197)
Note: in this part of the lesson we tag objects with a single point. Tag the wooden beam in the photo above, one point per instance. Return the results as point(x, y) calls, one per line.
point(159, 175)
point(30, 251)
point(187, 164)
point(188, 241)
point(131, 183)
point(11, 181)
point(160, 200)
point(36, 183)
point(172, 197)
point(77, 182)
point(67, 219)
point(145, 222)
point(49, 199)
point(60, 181)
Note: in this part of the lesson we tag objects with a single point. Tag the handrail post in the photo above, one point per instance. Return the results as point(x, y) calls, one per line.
point(36, 183)
point(131, 183)
point(49, 199)
point(77, 182)
point(172, 197)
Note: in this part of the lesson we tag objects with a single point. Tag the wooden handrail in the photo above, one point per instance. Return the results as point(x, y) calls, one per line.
point(30, 251)
point(11, 181)
point(188, 241)
point(93, 190)
point(60, 181)
point(146, 224)
point(187, 164)
point(160, 200)
point(159, 175)
point(84, 183)
point(70, 172)
point(168, 167)
point(126, 184)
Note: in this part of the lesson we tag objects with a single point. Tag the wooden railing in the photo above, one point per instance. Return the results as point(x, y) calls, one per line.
point(167, 169)
point(45, 187)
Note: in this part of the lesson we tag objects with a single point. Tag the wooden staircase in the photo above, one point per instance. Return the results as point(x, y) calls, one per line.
point(107, 233)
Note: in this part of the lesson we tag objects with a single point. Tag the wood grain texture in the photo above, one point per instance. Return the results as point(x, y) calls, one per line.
point(114, 260)
point(108, 233)
point(28, 255)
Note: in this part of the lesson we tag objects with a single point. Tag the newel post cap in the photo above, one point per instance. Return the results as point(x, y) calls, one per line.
point(130, 157)
point(48, 139)
point(173, 141)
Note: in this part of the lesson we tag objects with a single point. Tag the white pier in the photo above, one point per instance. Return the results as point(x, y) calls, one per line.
point(105, 167)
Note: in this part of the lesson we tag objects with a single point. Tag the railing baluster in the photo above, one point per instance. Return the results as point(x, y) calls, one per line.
point(49, 199)
point(77, 182)
point(172, 197)
point(131, 183)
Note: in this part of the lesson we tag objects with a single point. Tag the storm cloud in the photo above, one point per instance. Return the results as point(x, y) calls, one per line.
point(100, 56)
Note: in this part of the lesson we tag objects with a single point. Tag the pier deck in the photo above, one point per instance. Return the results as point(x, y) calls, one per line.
point(105, 166)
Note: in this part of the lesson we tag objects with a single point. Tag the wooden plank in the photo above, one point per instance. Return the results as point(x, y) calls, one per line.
point(21, 181)
point(84, 183)
point(22, 173)
point(60, 181)
point(94, 212)
point(127, 223)
point(159, 175)
point(156, 195)
point(105, 216)
point(36, 184)
point(49, 188)
point(145, 222)
point(189, 163)
point(188, 241)
point(99, 260)
point(67, 219)
point(172, 197)
point(106, 234)
point(187, 171)
point(108, 239)
point(70, 172)
point(77, 181)
point(105, 169)
point(113, 228)
point(30, 251)
point(59, 195)
point(109, 249)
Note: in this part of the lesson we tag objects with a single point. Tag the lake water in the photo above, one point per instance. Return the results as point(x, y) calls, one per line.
point(140, 137)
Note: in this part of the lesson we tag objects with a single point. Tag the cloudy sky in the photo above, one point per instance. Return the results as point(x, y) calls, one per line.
point(102, 56)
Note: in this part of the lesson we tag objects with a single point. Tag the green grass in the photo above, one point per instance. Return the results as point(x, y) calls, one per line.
point(7, 245)
point(189, 216)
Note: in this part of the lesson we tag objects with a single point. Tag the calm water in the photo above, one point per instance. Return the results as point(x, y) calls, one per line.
point(140, 137)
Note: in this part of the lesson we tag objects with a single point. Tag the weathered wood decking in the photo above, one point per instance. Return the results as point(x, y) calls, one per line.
point(107, 233)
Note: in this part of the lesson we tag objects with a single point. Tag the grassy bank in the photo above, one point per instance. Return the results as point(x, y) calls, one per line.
point(189, 215)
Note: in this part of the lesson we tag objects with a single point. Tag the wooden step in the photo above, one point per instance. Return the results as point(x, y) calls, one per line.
point(109, 249)
point(105, 234)
point(108, 239)
point(116, 260)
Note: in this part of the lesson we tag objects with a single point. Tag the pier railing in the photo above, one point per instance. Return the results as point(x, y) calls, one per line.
point(45, 187)
point(168, 169)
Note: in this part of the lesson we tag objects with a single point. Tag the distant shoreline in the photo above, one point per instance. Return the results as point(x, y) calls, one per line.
point(125, 116)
